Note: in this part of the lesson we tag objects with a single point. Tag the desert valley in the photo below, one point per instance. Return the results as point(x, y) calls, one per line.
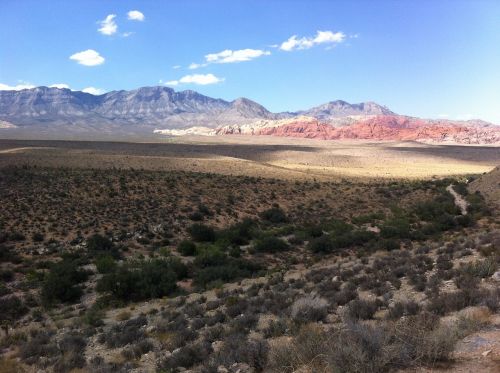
point(354, 226)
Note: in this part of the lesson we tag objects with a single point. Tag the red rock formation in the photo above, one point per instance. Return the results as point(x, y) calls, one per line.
point(384, 127)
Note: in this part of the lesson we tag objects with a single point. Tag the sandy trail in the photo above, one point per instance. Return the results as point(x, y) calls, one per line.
point(16, 150)
point(459, 200)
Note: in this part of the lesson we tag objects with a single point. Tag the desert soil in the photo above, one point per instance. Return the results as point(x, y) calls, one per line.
point(262, 156)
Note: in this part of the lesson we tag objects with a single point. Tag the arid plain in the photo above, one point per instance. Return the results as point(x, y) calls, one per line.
point(264, 156)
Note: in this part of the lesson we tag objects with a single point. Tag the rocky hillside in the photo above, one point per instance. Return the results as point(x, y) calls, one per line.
point(339, 108)
point(488, 185)
point(156, 111)
point(143, 107)
point(380, 127)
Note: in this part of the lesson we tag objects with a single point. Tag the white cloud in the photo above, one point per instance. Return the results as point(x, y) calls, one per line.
point(230, 56)
point(18, 87)
point(200, 79)
point(135, 15)
point(176, 67)
point(127, 34)
point(88, 57)
point(196, 65)
point(93, 91)
point(108, 25)
point(59, 85)
point(322, 37)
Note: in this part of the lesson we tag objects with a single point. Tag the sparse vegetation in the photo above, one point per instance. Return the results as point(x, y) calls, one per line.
point(357, 283)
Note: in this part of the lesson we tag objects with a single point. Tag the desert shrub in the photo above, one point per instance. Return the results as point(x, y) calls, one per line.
point(276, 328)
point(238, 308)
point(11, 309)
point(210, 257)
point(361, 309)
point(186, 357)
point(38, 237)
point(144, 280)
point(136, 350)
point(321, 244)
point(397, 227)
point(461, 188)
point(6, 275)
point(71, 346)
point(94, 316)
point(40, 345)
point(481, 268)
point(99, 243)
point(274, 215)
point(492, 300)
point(271, 245)
point(307, 349)
point(340, 240)
point(62, 282)
point(212, 265)
point(389, 244)
point(424, 340)
point(105, 264)
point(399, 309)
point(308, 309)
point(187, 248)
point(201, 233)
point(196, 216)
point(441, 304)
point(240, 233)
point(242, 324)
point(368, 218)
point(444, 263)
point(7, 254)
point(239, 349)
point(180, 338)
point(124, 333)
point(359, 347)
point(213, 333)
point(345, 295)
point(16, 236)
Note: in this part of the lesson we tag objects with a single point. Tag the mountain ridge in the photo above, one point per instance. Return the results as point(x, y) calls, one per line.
point(156, 104)
point(162, 110)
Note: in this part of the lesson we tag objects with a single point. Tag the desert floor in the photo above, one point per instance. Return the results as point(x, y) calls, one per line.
point(260, 156)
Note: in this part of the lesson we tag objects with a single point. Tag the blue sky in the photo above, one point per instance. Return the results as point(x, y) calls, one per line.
point(423, 58)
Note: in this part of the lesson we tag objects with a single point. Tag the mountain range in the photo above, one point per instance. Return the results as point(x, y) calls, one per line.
point(161, 111)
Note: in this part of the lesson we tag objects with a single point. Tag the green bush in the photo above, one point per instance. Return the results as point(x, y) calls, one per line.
point(271, 245)
point(240, 233)
point(62, 282)
point(397, 227)
point(332, 243)
point(231, 270)
point(212, 265)
point(143, 280)
point(98, 242)
point(187, 248)
point(321, 244)
point(274, 215)
point(210, 257)
point(202, 233)
point(105, 264)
